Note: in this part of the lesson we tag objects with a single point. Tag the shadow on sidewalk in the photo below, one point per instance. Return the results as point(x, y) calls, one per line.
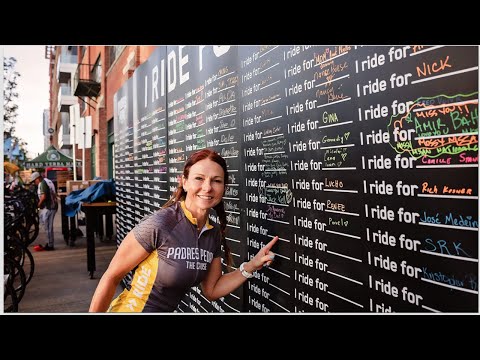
point(61, 282)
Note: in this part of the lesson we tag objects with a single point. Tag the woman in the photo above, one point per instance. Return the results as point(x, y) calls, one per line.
point(176, 247)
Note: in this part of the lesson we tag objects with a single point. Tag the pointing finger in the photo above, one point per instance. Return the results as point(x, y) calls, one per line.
point(270, 244)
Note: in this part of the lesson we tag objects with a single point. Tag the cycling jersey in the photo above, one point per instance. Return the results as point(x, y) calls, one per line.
point(179, 258)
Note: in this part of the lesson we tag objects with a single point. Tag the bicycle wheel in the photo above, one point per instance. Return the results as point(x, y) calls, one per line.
point(14, 269)
point(10, 301)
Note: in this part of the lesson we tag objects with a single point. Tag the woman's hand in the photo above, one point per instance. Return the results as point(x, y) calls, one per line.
point(263, 258)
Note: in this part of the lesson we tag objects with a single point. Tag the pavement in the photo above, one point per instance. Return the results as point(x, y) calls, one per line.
point(61, 282)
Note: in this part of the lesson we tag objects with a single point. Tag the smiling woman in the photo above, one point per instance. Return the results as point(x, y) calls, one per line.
point(177, 247)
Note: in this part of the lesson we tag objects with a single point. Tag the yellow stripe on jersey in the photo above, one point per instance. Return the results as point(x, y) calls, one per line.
point(142, 283)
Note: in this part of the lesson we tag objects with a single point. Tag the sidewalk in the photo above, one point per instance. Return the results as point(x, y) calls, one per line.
point(61, 282)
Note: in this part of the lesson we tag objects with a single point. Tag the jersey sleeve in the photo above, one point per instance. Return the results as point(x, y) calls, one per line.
point(149, 233)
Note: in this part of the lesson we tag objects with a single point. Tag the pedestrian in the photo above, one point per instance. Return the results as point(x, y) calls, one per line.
point(48, 204)
point(17, 182)
point(177, 247)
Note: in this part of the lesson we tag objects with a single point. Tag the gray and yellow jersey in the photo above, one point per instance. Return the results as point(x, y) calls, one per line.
point(179, 259)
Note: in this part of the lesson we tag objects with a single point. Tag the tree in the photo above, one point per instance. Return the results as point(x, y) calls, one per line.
point(10, 108)
point(10, 95)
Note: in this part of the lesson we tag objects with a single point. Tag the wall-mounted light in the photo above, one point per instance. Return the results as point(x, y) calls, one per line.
point(95, 131)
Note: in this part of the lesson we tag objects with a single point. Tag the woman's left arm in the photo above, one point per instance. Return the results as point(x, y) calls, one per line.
point(215, 285)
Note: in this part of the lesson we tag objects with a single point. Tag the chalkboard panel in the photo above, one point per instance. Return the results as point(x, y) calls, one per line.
point(364, 160)
point(202, 100)
point(150, 140)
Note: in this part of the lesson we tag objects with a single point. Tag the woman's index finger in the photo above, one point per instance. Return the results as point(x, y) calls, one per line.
point(271, 243)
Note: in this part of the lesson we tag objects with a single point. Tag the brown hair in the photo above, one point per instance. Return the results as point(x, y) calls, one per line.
point(180, 194)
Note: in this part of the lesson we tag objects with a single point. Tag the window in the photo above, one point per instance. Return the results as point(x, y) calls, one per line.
point(113, 53)
point(110, 127)
point(65, 122)
point(97, 71)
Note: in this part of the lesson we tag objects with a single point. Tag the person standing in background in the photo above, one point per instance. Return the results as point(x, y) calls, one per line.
point(177, 247)
point(17, 181)
point(49, 204)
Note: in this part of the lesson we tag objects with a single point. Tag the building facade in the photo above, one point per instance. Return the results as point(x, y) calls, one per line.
point(89, 76)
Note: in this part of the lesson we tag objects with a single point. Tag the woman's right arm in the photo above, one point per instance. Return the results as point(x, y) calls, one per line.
point(129, 254)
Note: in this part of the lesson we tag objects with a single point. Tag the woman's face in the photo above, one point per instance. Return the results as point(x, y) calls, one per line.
point(205, 186)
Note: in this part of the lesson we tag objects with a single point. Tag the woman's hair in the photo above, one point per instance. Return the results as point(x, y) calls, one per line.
point(180, 194)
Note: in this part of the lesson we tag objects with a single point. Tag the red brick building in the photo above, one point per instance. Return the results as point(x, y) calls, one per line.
point(89, 76)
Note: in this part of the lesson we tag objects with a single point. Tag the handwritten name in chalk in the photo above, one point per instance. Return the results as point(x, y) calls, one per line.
point(427, 69)
point(433, 189)
point(446, 247)
point(468, 221)
point(335, 183)
point(335, 206)
point(338, 222)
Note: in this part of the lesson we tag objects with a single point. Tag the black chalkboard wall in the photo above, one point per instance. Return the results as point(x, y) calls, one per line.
point(364, 160)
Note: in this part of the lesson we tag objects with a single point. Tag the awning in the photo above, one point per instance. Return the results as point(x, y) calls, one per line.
point(51, 157)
